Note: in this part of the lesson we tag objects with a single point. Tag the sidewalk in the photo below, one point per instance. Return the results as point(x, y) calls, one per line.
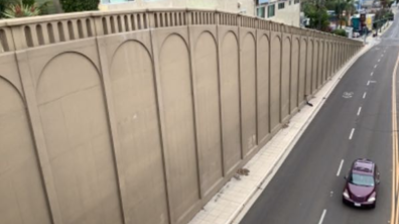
point(232, 202)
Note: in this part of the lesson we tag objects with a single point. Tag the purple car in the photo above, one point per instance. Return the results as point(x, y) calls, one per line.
point(361, 184)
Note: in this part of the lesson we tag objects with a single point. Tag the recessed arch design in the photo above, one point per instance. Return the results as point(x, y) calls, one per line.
point(66, 53)
point(19, 166)
point(302, 70)
point(138, 132)
point(294, 83)
point(175, 78)
point(285, 77)
point(121, 45)
point(230, 95)
point(263, 86)
point(309, 67)
point(74, 120)
point(275, 82)
point(174, 35)
point(248, 93)
point(208, 110)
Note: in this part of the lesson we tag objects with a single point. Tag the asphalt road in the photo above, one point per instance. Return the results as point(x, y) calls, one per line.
point(307, 185)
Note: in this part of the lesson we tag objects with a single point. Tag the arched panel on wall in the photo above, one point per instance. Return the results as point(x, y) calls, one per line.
point(328, 61)
point(285, 78)
point(22, 193)
point(309, 67)
point(302, 70)
point(294, 75)
point(230, 90)
point(208, 109)
point(76, 132)
point(136, 111)
point(315, 73)
point(275, 79)
point(323, 64)
point(179, 125)
point(248, 93)
point(341, 54)
point(263, 87)
point(320, 65)
point(337, 55)
point(333, 58)
point(337, 58)
point(337, 50)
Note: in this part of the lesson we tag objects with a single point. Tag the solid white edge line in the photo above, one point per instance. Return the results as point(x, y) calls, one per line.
point(372, 74)
point(358, 111)
point(368, 83)
point(322, 216)
point(364, 95)
point(351, 135)
point(340, 167)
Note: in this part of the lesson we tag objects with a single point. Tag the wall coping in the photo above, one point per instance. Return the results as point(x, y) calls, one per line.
point(23, 33)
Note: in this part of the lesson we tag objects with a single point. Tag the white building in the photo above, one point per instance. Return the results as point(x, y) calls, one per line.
point(287, 11)
point(243, 6)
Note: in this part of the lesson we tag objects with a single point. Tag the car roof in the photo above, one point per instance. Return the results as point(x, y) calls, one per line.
point(363, 166)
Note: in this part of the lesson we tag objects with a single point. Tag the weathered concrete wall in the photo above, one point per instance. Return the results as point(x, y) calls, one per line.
point(141, 117)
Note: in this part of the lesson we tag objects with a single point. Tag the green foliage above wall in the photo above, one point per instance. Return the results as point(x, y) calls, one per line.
point(79, 5)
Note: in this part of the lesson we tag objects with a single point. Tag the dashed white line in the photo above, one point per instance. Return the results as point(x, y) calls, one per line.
point(368, 83)
point(364, 95)
point(375, 66)
point(372, 74)
point(351, 135)
point(358, 111)
point(322, 216)
point(379, 60)
point(340, 167)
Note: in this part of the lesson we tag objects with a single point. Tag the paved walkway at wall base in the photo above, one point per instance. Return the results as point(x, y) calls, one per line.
point(232, 202)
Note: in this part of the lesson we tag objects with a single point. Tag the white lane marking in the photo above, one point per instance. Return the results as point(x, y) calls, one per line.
point(368, 83)
point(379, 60)
point(322, 216)
point(340, 167)
point(372, 74)
point(351, 135)
point(364, 95)
point(375, 66)
point(358, 111)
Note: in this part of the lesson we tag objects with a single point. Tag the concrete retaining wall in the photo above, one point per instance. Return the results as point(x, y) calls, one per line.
point(142, 116)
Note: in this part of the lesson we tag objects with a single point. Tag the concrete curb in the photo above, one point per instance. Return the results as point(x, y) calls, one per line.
point(281, 158)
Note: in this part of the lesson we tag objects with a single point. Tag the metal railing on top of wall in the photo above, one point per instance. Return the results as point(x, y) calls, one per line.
point(17, 34)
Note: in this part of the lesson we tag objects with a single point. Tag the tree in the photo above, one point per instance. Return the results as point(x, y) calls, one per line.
point(386, 3)
point(3, 5)
point(339, 6)
point(317, 14)
point(79, 5)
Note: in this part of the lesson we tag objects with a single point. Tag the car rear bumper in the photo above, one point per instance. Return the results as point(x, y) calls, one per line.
point(349, 201)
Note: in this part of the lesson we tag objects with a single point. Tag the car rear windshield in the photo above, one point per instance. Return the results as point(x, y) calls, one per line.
point(362, 180)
